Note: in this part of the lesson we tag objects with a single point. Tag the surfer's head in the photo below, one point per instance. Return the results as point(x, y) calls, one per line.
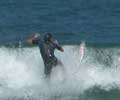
point(48, 37)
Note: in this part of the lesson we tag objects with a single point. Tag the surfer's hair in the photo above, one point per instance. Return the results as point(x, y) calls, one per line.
point(47, 37)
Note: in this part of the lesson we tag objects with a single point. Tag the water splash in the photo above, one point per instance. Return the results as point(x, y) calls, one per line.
point(22, 71)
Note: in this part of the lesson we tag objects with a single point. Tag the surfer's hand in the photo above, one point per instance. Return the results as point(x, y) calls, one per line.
point(37, 35)
point(61, 49)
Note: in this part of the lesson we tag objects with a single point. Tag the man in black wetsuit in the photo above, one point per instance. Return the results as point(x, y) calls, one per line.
point(47, 48)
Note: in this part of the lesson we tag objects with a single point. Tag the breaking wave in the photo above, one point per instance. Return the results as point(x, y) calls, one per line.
point(22, 72)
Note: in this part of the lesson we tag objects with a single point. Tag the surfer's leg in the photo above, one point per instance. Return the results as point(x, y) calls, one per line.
point(56, 62)
point(47, 70)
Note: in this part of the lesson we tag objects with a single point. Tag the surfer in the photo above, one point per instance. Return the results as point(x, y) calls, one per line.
point(47, 47)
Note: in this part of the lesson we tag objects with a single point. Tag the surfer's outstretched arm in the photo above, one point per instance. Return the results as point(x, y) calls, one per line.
point(33, 39)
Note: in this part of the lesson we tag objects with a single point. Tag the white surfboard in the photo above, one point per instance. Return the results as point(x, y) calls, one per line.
point(82, 51)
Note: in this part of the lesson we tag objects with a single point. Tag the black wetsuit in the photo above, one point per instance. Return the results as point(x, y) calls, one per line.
point(47, 52)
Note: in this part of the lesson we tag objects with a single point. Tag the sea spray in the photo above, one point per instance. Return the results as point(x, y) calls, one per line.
point(22, 72)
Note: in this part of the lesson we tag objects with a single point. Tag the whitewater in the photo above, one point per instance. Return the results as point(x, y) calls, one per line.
point(22, 73)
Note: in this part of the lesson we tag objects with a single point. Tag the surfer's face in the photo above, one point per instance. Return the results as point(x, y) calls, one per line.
point(48, 38)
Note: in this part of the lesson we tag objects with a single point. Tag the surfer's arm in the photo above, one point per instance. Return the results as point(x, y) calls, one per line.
point(34, 39)
point(58, 46)
point(30, 40)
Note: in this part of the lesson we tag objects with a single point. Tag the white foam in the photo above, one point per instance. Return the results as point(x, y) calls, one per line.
point(23, 69)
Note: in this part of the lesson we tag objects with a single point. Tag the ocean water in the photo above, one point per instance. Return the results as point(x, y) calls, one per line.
point(96, 77)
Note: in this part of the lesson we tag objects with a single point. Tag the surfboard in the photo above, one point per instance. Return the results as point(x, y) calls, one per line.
point(82, 51)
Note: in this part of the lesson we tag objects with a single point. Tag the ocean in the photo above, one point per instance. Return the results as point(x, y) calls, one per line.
point(96, 23)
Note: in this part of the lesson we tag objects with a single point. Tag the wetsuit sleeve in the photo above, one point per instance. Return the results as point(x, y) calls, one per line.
point(36, 41)
point(57, 45)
